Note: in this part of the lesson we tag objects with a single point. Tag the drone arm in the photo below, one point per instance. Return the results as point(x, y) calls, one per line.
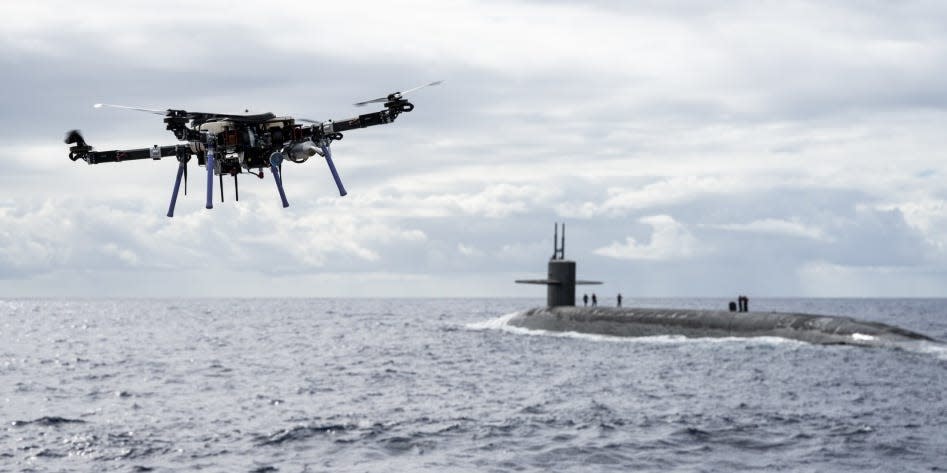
point(391, 112)
point(363, 121)
point(84, 152)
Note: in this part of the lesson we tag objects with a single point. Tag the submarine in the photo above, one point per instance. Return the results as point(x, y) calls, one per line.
point(562, 315)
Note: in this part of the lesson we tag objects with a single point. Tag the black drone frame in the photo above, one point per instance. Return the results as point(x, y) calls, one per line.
point(245, 142)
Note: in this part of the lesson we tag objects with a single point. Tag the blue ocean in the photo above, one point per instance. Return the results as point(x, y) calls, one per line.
point(364, 385)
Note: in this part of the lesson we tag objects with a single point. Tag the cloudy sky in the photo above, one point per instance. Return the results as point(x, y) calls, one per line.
point(692, 148)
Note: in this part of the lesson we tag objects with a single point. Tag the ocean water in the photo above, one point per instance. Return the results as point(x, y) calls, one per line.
point(306, 385)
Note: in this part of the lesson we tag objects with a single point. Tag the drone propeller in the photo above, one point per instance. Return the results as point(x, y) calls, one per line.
point(200, 116)
point(437, 82)
point(397, 95)
point(148, 110)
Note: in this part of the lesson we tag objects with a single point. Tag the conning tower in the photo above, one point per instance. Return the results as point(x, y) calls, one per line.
point(560, 281)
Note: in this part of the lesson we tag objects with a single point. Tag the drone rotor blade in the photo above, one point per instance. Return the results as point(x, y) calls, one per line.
point(148, 110)
point(378, 100)
point(228, 116)
point(437, 82)
point(385, 99)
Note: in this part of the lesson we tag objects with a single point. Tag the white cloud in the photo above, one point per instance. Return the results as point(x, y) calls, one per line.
point(823, 279)
point(928, 216)
point(500, 200)
point(773, 226)
point(670, 240)
point(59, 235)
point(468, 251)
point(125, 255)
point(673, 190)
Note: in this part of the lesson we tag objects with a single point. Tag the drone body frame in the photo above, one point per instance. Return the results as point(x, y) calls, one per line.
point(230, 144)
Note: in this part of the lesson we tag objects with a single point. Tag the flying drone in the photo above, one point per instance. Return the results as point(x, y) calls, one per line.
point(228, 144)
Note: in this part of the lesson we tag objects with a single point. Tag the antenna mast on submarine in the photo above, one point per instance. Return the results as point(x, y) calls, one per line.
point(559, 250)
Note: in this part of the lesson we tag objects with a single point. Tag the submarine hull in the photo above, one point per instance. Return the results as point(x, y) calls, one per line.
point(641, 322)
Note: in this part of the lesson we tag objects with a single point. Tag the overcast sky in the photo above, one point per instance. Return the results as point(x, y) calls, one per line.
point(700, 149)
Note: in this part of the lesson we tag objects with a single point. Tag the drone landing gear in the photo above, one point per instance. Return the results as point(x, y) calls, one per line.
point(209, 164)
point(183, 158)
point(236, 190)
point(335, 174)
point(276, 160)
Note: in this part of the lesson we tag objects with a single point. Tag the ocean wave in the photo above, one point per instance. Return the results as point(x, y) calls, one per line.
point(298, 433)
point(935, 349)
point(501, 323)
point(47, 421)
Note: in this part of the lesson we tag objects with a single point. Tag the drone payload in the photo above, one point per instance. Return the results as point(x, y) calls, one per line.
point(231, 144)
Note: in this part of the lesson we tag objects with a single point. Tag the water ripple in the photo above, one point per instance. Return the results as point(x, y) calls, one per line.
point(441, 385)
